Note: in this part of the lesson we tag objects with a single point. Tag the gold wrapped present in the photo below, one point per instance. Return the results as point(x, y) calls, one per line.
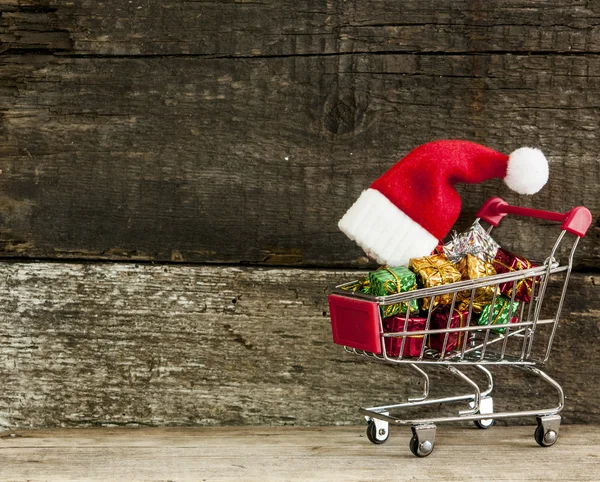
point(433, 271)
point(472, 267)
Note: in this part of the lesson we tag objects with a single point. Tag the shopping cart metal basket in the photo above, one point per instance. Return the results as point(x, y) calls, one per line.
point(524, 342)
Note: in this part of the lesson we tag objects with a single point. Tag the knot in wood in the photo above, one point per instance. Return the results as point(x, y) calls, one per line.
point(343, 112)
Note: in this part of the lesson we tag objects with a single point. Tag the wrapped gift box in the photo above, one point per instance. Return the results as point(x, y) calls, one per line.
point(433, 271)
point(505, 262)
point(439, 320)
point(390, 281)
point(413, 343)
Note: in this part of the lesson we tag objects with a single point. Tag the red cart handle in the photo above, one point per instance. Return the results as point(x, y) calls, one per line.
point(576, 221)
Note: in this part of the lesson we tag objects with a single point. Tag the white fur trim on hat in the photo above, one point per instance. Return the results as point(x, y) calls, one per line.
point(527, 170)
point(384, 231)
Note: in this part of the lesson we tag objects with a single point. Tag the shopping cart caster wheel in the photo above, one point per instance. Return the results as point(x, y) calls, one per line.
point(378, 431)
point(546, 433)
point(545, 438)
point(484, 423)
point(486, 405)
point(423, 440)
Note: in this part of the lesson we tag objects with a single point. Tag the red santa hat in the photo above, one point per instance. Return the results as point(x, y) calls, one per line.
point(408, 210)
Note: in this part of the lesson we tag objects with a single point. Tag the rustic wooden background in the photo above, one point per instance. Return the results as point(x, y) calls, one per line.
point(172, 173)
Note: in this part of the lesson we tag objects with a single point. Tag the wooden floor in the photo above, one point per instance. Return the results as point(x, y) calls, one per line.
point(289, 453)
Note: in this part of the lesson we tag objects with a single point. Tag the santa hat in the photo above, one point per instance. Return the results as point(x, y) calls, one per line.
point(408, 210)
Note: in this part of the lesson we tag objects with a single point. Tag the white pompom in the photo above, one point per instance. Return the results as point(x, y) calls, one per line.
point(527, 170)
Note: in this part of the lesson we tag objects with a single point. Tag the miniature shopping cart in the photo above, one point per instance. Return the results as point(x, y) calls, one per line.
point(524, 342)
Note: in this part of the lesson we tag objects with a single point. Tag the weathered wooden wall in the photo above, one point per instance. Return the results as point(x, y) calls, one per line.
point(126, 344)
point(238, 133)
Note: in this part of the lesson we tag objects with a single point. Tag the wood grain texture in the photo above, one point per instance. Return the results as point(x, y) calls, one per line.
point(287, 27)
point(119, 344)
point(293, 453)
point(255, 160)
point(240, 132)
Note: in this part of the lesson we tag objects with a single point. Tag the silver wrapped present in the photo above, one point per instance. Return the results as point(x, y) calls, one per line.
point(475, 241)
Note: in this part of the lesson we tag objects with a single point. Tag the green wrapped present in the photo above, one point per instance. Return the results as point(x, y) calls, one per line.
point(391, 281)
point(500, 315)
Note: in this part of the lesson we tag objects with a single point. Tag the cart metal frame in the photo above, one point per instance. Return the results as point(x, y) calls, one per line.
point(483, 346)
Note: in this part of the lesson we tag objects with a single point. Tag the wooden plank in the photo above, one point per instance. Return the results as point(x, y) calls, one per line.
point(288, 27)
point(119, 344)
point(255, 160)
point(292, 453)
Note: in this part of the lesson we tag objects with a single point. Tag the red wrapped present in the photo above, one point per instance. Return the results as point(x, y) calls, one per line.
point(439, 249)
point(439, 320)
point(413, 343)
point(505, 262)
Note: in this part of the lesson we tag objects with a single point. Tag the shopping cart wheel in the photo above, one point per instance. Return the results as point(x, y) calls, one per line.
point(378, 431)
point(546, 432)
point(484, 423)
point(486, 405)
point(423, 440)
